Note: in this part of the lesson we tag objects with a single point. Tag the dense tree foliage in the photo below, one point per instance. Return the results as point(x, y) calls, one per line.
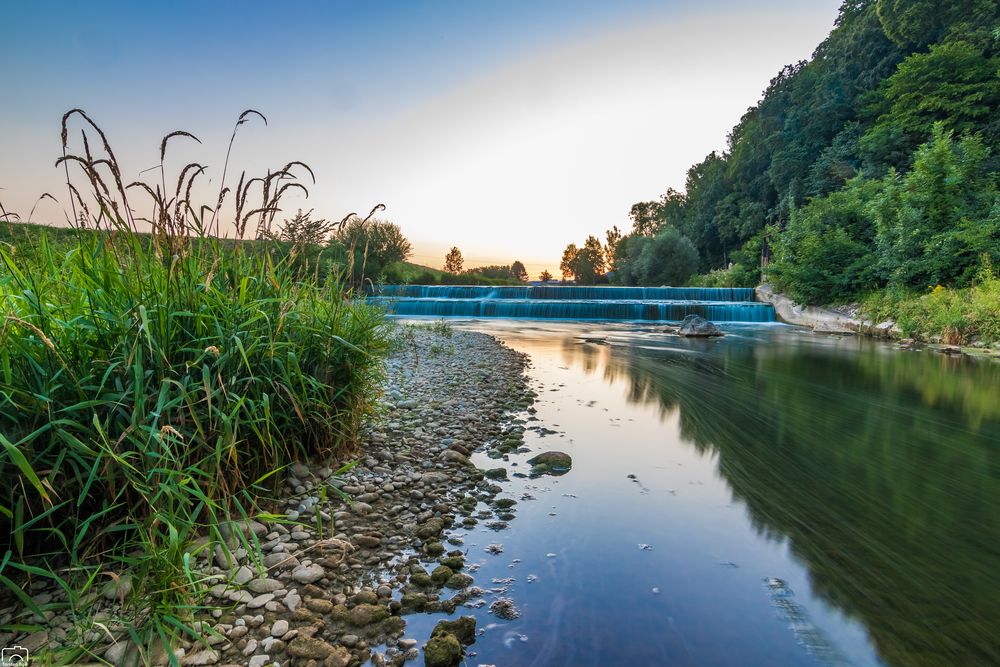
point(873, 164)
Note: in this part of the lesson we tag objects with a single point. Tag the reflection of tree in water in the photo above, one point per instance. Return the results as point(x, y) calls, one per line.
point(882, 470)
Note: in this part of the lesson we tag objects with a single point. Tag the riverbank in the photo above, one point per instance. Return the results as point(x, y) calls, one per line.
point(331, 579)
point(948, 321)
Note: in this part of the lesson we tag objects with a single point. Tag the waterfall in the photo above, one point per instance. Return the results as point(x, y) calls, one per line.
point(570, 302)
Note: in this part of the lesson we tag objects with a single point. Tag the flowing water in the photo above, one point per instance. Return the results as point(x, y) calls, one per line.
point(720, 304)
point(770, 498)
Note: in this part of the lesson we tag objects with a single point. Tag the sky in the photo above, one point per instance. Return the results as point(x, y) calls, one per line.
point(506, 128)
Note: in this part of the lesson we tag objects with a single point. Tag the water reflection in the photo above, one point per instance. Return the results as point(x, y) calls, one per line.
point(880, 467)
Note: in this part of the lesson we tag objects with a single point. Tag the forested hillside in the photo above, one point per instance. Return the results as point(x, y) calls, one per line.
point(872, 166)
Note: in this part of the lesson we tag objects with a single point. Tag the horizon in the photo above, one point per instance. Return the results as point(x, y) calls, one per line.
point(568, 117)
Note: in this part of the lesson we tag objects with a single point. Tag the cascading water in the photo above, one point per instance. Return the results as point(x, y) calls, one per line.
point(665, 304)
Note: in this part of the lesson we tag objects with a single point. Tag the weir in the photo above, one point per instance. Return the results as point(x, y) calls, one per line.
point(571, 302)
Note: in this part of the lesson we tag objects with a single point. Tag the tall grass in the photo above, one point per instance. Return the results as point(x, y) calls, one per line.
point(150, 386)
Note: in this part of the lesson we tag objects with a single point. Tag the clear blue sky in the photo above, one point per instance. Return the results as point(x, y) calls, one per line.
point(507, 128)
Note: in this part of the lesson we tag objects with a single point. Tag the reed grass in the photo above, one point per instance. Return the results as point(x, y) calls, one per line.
point(152, 386)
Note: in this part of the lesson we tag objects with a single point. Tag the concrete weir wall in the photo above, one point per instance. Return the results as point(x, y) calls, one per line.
point(821, 319)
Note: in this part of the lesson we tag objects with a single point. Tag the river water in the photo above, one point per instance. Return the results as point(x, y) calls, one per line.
point(770, 498)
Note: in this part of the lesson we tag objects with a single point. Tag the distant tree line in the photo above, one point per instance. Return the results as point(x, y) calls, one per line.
point(871, 166)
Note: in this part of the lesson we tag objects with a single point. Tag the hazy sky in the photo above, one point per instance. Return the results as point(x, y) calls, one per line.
point(506, 128)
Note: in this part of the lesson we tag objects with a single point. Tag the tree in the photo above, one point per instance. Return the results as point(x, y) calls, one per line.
point(302, 230)
point(370, 245)
point(545, 276)
point(453, 261)
point(954, 84)
point(669, 258)
point(613, 236)
point(519, 272)
point(566, 263)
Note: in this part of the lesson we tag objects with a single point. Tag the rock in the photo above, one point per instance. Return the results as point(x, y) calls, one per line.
point(361, 508)
point(208, 656)
point(553, 462)
point(307, 574)
point(367, 542)
point(309, 648)
point(258, 661)
point(695, 326)
point(292, 601)
point(458, 581)
point(444, 650)
point(319, 606)
point(264, 585)
point(260, 600)
point(496, 473)
point(430, 528)
point(451, 456)
point(117, 589)
point(366, 614)
point(279, 628)
point(280, 561)
point(441, 574)
point(243, 575)
point(463, 628)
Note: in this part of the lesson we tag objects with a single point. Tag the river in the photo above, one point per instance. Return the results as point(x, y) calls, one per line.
point(770, 498)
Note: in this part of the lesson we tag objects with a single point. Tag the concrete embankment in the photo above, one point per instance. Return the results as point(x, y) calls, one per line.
point(822, 319)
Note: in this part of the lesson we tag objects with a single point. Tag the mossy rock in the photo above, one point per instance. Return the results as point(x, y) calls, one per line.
point(366, 614)
point(454, 562)
point(414, 601)
point(393, 626)
point(441, 574)
point(339, 613)
point(430, 528)
point(550, 463)
point(458, 581)
point(421, 579)
point(434, 548)
point(443, 650)
point(504, 503)
point(496, 473)
point(462, 628)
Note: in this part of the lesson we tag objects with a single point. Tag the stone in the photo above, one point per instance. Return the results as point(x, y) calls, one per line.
point(458, 581)
point(309, 648)
point(367, 542)
point(496, 473)
point(280, 561)
point(366, 614)
point(444, 650)
point(441, 574)
point(695, 326)
point(260, 600)
point(243, 575)
point(264, 586)
point(319, 606)
point(463, 628)
point(551, 463)
point(451, 456)
point(208, 656)
point(292, 600)
point(430, 528)
point(258, 661)
point(117, 589)
point(307, 574)
point(279, 628)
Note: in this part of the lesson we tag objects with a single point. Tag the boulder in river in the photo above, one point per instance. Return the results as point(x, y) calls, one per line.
point(553, 463)
point(695, 326)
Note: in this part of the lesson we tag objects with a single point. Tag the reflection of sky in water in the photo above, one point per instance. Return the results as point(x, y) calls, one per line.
point(809, 500)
